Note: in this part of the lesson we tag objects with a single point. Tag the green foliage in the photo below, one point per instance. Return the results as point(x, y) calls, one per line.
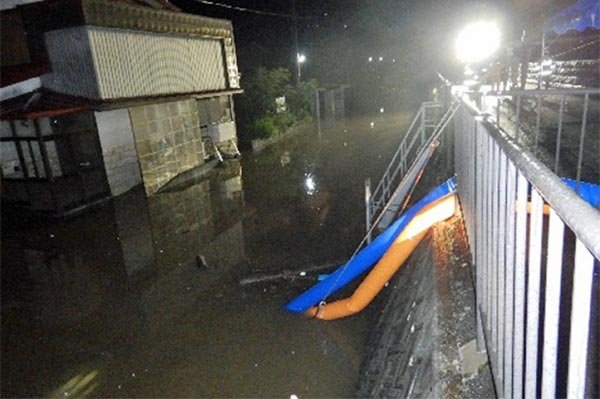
point(263, 128)
point(299, 98)
point(284, 120)
point(257, 111)
point(261, 88)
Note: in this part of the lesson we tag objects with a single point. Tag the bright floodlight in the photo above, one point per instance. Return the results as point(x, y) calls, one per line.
point(477, 41)
point(301, 58)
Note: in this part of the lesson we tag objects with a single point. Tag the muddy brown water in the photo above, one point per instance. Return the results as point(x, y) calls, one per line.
point(140, 297)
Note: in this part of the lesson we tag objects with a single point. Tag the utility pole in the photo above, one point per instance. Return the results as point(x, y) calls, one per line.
point(295, 33)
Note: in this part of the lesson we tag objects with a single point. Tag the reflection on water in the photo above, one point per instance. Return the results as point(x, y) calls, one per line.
point(141, 297)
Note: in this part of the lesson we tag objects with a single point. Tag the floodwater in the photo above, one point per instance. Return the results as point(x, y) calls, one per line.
point(140, 297)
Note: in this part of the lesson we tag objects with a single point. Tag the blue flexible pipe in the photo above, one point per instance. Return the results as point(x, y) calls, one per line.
point(366, 257)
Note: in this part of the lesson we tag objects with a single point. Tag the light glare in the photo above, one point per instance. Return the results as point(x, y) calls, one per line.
point(477, 41)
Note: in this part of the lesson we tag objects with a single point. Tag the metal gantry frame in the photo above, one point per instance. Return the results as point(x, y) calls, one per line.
point(518, 275)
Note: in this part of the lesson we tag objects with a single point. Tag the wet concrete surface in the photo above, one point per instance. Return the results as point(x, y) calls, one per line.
point(140, 297)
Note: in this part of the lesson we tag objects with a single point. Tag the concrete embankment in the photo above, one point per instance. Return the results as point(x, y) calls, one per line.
point(423, 342)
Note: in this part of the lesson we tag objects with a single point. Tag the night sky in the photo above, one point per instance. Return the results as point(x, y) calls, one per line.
point(414, 37)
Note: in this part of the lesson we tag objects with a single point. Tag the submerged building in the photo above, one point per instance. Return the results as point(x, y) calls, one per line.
point(99, 96)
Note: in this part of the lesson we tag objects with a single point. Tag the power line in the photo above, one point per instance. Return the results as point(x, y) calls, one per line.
point(250, 10)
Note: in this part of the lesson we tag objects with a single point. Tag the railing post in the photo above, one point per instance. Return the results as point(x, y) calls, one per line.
point(558, 134)
point(537, 122)
point(422, 127)
point(582, 140)
point(318, 112)
point(518, 120)
point(368, 208)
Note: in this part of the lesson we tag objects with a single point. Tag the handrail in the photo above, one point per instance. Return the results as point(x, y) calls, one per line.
point(410, 151)
point(410, 128)
point(582, 218)
point(551, 92)
point(518, 262)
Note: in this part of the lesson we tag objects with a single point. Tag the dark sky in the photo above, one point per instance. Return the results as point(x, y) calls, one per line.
point(338, 36)
point(355, 28)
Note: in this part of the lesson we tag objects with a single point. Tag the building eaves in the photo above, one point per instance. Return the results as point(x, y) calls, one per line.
point(45, 103)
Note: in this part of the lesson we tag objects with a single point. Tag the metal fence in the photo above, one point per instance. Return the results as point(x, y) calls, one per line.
point(535, 244)
point(560, 126)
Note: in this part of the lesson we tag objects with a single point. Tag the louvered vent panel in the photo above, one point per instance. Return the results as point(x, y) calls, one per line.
point(136, 64)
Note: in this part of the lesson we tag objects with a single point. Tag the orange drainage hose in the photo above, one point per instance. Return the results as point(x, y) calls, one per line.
point(390, 262)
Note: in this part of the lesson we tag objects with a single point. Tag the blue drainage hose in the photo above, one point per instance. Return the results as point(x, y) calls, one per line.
point(366, 257)
point(588, 191)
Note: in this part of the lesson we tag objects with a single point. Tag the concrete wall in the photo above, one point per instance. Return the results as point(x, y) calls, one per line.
point(118, 150)
point(167, 137)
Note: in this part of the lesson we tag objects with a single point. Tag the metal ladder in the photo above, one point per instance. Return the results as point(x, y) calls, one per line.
point(410, 158)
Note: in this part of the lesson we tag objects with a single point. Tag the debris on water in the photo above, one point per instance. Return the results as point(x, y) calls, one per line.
point(302, 274)
point(201, 262)
point(372, 125)
point(293, 352)
point(66, 393)
point(285, 158)
point(255, 364)
point(133, 375)
point(118, 386)
point(292, 396)
point(381, 110)
point(345, 144)
point(51, 235)
point(161, 251)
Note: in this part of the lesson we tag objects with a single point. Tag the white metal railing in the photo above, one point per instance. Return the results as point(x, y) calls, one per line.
point(430, 121)
point(560, 126)
point(527, 268)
